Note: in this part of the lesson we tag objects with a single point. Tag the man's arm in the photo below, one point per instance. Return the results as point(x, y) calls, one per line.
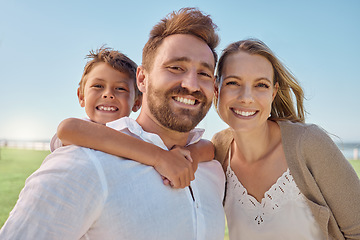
point(175, 165)
point(60, 200)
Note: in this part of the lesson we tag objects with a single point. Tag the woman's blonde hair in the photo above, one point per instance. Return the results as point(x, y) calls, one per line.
point(283, 106)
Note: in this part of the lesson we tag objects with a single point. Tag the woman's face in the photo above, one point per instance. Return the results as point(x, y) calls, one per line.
point(246, 91)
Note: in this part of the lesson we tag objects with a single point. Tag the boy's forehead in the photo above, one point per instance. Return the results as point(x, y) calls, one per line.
point(106, 73)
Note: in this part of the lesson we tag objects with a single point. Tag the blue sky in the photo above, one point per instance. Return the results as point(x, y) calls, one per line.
point(43, 44)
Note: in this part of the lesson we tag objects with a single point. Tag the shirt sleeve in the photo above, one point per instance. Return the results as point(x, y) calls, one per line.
point(61, 200)
point(337, 180)
point(55, 143)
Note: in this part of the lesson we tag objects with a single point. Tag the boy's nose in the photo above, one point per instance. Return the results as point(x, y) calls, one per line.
point(108, 94)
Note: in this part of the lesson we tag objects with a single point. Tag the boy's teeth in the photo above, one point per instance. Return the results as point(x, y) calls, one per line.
point(185, 100)
point(110, 109)
point(243, 113)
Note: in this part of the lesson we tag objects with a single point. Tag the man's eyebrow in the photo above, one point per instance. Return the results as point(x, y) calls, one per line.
point(186, 59)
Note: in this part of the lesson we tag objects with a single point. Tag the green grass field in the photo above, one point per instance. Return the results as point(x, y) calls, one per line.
point(17, 164)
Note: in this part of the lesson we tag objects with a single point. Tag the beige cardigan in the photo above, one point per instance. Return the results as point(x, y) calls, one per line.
point(323, 175)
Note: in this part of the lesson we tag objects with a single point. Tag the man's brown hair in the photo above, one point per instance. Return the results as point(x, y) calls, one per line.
point(185, 21)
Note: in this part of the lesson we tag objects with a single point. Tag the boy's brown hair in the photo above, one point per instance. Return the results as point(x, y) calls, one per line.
point(185, 21)
point(115, 59)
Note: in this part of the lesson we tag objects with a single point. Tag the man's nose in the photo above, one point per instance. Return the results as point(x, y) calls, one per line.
point(191, 81)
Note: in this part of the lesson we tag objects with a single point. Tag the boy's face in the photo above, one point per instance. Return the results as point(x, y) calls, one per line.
point(108, 94)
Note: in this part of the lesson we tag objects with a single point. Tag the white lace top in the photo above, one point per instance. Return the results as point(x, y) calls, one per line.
point(282, 213)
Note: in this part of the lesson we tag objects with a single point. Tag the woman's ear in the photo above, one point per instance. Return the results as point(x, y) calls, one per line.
point(276, 88)
point(81, 98)
point(141, 78)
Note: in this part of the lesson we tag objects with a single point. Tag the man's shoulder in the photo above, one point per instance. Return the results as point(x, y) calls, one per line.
point(211, 169)
point(71, 157)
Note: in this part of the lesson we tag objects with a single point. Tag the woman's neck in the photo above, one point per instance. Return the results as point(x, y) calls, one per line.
point(255, 145)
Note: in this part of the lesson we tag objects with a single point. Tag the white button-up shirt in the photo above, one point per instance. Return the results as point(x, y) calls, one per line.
point(79, 193)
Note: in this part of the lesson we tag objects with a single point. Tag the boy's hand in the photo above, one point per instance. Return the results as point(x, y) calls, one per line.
point(175, 166)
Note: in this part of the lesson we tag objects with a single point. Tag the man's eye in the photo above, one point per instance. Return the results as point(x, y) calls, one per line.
point(205, 74)
point(174, 68)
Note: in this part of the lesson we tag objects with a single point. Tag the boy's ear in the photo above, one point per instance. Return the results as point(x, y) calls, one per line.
point(81, 98)
point(137, 104)
point(141, 78)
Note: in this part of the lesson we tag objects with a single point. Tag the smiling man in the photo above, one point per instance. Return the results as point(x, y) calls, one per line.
point(94, 195)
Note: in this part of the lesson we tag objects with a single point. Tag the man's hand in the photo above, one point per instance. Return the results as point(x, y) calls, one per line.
point(175, 166)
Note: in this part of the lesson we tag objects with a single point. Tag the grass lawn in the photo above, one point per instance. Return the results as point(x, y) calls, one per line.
point(17, 164)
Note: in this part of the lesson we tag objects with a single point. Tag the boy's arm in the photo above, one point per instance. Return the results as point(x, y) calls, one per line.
point(175, 165)
point(201, 151)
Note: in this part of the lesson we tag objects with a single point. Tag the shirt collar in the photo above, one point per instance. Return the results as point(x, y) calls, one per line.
point(133, 127)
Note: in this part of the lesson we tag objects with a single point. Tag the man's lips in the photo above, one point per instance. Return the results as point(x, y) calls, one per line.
point(107, 108)
point(187, 101)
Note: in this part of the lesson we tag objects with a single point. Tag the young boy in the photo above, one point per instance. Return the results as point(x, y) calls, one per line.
point(108, 91)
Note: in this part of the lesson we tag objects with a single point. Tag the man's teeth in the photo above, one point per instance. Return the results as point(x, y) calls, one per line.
point(110, 109)
point(243, 113)
point(185, 100)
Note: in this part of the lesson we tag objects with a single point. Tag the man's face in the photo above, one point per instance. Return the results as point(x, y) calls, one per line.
point(180, 84)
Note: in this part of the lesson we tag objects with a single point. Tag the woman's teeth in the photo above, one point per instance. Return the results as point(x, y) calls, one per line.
point(244, 114)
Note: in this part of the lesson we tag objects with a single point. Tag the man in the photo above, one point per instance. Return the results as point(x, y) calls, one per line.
point(80, 193)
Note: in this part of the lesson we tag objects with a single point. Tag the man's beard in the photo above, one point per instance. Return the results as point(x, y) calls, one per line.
point(183, 120)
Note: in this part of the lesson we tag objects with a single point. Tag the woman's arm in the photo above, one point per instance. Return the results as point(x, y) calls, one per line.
point(175, 164)
point(337, 180)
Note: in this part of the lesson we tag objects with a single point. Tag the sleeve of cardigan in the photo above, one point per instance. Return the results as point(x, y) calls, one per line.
point(336, 179)
point(222, 141)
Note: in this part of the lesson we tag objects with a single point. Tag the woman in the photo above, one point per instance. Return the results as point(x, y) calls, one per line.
point(285, 179)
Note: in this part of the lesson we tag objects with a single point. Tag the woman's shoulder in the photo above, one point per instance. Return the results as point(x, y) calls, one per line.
point(298, 130)
point(222, 141)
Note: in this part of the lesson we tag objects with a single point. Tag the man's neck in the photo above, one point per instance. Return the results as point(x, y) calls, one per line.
point(169, 137)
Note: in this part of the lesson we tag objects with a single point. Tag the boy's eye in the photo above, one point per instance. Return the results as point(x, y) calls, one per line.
point(97, 86)
point(121, 89)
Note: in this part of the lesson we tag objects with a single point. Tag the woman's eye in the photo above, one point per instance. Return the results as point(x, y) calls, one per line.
point(262, 85)
point(229, 83)
point(97, 86)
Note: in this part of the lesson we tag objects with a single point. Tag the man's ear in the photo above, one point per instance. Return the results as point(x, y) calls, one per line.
point(141, 78)
point(81, 98)
point(216, 90)
point(137, 104)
